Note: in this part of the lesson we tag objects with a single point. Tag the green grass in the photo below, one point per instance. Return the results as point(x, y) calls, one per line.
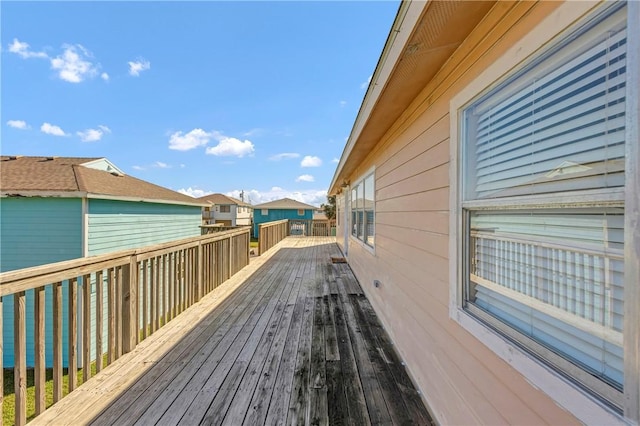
point(253, 243)
point(8, 408)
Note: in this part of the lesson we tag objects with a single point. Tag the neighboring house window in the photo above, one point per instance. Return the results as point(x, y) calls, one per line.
point(363, 210)
point(300, 212)
point(542, 196)
point(225, 209)
point(264, 212)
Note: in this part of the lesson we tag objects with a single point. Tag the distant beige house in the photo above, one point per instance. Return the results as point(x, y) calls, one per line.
point(226, 210)
point(318, 214)
point(488, 201)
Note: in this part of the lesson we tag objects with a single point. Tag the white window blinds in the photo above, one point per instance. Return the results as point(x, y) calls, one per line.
point(552, 273)
point(557, 126)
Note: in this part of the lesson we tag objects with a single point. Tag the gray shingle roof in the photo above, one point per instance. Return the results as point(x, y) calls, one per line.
point(285, 203)
point(24, 175)
point(223, 199)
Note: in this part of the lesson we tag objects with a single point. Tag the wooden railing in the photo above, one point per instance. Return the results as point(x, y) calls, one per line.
point(218, 227)
point(271, 233)
point(113, 302)
point(312, 228)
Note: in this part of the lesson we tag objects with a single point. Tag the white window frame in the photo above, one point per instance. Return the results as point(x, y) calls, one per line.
point(264, 212)
point(300, 212)
point(354, 237)
point(562, 390)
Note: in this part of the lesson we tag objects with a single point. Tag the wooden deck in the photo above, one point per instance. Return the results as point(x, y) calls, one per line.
point(288, 340)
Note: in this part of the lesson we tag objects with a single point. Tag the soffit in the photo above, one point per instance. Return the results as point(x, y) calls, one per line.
point(441, 29)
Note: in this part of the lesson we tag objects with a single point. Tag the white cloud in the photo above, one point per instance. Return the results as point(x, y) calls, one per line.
point(18, 124)
point(90, 135)
point(343, 103)
point(305, 178)
point(191, 140)
point(194, 192)
point(366, 83)
point(226, 147)
point(93, 135)
point(156, 165)
point(73, 64)
point(21, 48)
point(50, 129)
point(231, 147)
point(284, 156)
point(335, 160)
point(311, 161)
point(136, 67)
point(254, 196)
point(254, 132)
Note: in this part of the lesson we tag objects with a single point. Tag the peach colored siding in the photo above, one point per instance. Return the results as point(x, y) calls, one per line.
point(462, 381)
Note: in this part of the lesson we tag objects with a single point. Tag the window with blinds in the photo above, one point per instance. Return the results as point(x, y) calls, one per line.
point(363, 210)
point(556, 126)
point(354, 211)
point(545, 272)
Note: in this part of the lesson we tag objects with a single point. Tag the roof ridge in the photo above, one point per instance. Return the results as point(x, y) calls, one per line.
point(77, 177)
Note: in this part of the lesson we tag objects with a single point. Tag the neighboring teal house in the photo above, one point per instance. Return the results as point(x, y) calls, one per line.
point(285, 208)
point(54, 209)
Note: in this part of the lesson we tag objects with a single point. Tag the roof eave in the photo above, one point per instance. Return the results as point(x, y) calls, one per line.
point(8, 193)
point(145, 200)
point(407, 17)
point(81, 194)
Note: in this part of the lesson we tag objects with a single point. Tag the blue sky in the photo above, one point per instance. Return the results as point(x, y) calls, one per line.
point(198, 97)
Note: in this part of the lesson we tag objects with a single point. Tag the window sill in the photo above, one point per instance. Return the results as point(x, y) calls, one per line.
point(563, 392)
point(366, 246)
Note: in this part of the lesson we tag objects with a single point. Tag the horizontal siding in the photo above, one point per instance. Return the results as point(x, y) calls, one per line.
point(36, 231)
point(462, 381)
point(118, 225)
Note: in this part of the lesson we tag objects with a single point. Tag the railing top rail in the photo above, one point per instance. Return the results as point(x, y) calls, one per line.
point(24, 279)
point(274, 223)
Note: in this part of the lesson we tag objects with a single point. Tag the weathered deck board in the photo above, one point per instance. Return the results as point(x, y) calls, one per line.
point(290, 339)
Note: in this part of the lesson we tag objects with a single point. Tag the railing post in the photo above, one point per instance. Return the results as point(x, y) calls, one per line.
point(231, 271)
point(39, 350)
point(200, 271)
point(129, 304)
point(20, 358)
point(72, 352)
point(247, 237)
